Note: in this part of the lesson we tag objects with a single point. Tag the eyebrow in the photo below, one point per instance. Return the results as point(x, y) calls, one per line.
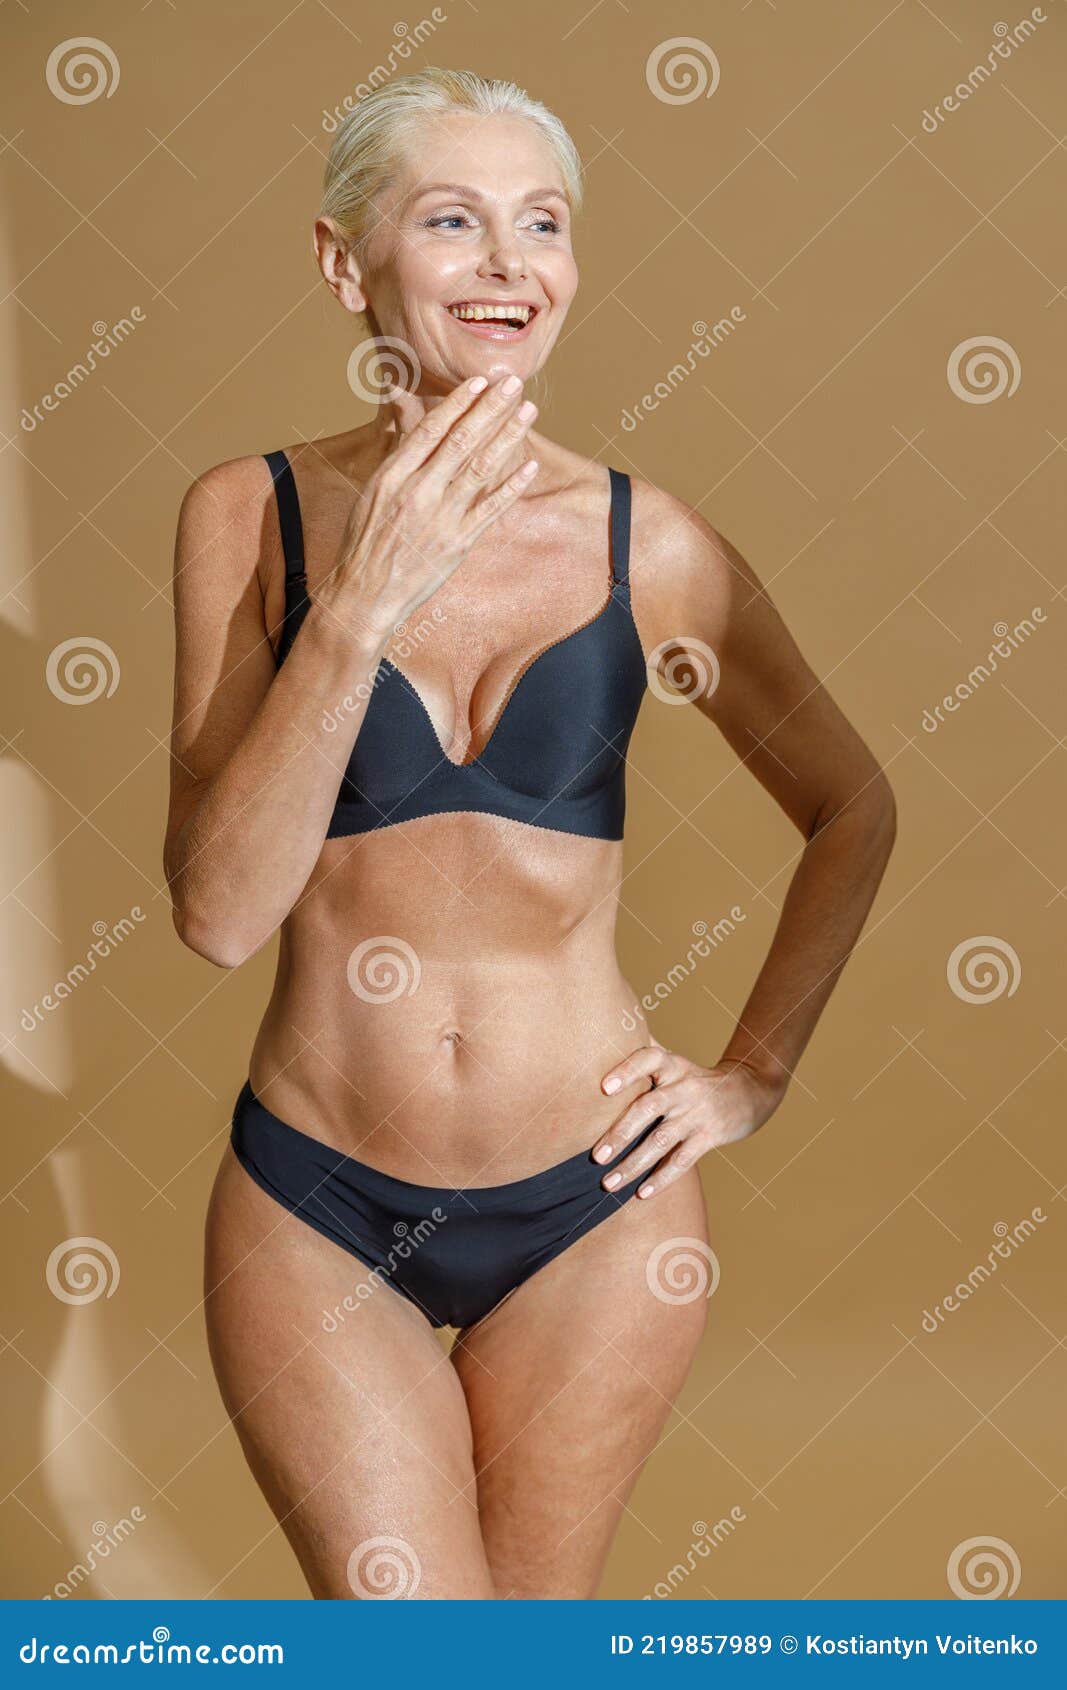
point(465, 191)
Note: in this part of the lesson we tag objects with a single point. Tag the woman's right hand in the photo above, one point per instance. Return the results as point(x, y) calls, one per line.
point(440, 487)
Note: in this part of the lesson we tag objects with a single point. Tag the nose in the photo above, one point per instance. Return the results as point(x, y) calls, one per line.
point(503, 259)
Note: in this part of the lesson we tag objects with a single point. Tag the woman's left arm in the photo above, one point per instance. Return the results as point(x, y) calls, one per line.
point(787, 730)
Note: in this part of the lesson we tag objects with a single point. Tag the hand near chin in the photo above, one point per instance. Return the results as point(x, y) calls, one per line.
point(702, 1109)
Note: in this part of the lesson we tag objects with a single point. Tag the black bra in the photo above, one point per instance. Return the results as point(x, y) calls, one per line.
point(557, 755)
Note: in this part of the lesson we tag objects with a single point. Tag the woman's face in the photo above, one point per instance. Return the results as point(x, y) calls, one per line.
point(476, 216)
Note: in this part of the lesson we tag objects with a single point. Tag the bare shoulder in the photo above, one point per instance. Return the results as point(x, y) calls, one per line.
point(683, 570)
point(225, 522)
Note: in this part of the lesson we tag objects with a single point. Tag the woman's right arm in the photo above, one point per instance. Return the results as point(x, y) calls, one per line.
point(258, 752)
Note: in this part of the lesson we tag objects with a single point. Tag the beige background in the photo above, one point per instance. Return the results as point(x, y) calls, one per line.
point(896, 524)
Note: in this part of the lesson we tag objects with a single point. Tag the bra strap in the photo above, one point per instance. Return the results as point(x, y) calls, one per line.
point(292, 530)
point(620, 527)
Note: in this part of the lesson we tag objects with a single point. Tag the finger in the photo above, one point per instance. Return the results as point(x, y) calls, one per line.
point(471, 431)
point(648, 1061)
point(652, 1149)
point(482, 468)
point(493, 504)
point(642, 1113)
point(417, 446)
point(685, 1155)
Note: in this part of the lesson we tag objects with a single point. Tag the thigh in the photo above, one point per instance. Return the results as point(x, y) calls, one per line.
point(346, 1405)
point(569, 1382)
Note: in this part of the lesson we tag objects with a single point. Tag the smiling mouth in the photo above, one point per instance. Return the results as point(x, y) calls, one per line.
point(493, 322)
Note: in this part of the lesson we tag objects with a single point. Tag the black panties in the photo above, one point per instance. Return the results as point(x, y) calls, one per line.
point(454, 1254)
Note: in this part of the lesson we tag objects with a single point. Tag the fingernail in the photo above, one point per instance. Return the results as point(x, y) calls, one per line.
point(612, 1085)
point(530, 467)
point(510, 384)
point(611, 1181)
point(477, 384)
point(525, 410)
point(645, 1190)
point(604, 1154)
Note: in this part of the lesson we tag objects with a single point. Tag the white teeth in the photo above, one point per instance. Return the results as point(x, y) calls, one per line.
point(483, 313)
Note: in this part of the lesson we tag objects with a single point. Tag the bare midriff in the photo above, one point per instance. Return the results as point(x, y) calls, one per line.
point(448, 1000)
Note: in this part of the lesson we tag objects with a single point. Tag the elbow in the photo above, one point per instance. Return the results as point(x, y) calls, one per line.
point(872, 810)
point(212, 940)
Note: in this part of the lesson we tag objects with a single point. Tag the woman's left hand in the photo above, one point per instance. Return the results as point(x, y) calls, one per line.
point(703, 1108)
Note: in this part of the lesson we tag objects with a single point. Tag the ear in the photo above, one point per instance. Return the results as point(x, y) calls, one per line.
point(340, 271)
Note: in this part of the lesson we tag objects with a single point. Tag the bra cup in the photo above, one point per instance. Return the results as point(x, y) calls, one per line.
point(397, 747)
point(565, 728)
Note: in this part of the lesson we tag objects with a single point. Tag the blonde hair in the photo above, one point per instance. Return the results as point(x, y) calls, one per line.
point(365, 151)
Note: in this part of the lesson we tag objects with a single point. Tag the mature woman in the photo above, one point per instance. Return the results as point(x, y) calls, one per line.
point(410, 657)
